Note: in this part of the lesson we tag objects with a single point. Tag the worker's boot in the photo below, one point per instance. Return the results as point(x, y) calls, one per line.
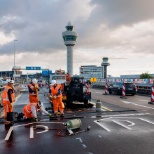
point(62, 115)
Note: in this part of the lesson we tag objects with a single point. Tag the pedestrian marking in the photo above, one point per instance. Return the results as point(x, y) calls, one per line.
point(31, 132)
point(137, 104)
point(9, 133)
point(121, 124)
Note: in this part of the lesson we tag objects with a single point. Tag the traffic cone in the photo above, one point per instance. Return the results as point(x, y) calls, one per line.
point(123, 91)
point(106, 89)
point(152, 95)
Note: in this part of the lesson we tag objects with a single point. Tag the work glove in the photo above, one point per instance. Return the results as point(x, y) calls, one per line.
point(36, 119)
point(54, 97)
point(11, 105)
point(50, 115)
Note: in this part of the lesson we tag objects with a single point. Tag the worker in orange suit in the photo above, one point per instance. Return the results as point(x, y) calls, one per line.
point(33, 91)
point(8, 98)
point(55, 93)
point(30, 110)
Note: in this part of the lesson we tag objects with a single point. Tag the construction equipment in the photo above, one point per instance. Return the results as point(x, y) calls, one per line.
point(76, 90)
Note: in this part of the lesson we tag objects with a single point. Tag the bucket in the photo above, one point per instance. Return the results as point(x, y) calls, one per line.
point(73, 124)
point(11, 116)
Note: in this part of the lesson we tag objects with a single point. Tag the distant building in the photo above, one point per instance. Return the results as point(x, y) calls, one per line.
point(133, 76)
point(91, 71)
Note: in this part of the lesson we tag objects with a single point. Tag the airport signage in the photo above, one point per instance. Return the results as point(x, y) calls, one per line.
point(33, 68)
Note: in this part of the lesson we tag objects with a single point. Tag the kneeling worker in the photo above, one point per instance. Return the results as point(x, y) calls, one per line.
point(30, 110)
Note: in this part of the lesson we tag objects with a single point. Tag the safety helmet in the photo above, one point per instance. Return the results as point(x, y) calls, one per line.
point(53, 82)
point(10, 81)
point(34, 81)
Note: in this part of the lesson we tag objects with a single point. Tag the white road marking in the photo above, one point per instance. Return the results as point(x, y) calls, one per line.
point(84, 145)
point(121, 124)
point(40, 126)
point(137, 104)
point(100, 136)
point(102, 126)
point(9, 133)
point(98, 92)
point(79, 139)
point(146, 121)
point(117, 115)
point(143, 100)
point(31, 132)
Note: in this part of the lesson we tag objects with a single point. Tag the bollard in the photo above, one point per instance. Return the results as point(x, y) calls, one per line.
point(123, 91)
point(152, 95)
point(106, 89)
point(98, 106)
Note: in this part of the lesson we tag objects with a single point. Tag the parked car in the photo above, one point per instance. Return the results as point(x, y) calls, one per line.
point(116, 88)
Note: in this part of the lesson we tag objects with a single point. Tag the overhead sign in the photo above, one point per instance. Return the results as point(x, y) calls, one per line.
point(33, 68)
point(45, 72)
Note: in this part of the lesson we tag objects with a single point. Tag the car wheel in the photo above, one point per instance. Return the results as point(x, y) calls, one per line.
point(110, 91)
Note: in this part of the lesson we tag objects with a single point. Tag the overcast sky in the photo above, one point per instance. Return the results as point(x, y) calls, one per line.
point(122, 30)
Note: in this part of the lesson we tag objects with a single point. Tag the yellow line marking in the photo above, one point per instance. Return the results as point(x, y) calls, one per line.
point(106, 108)
point(103, 107)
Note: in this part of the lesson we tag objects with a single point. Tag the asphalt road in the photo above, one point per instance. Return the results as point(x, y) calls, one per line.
point(124, 126)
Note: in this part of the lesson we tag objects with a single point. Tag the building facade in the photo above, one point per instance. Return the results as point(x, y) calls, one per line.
point(91, 71)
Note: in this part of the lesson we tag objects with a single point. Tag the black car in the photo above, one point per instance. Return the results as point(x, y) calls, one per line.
point(116, 88)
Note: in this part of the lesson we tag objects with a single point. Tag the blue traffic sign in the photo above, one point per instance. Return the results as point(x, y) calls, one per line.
point(45, 72)
point(33, 68)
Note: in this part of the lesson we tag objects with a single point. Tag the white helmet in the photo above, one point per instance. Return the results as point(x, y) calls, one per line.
point(53, 82)
point(34, 81)
point(10, 81)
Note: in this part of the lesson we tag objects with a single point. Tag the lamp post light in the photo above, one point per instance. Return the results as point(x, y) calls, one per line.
point(14, 58)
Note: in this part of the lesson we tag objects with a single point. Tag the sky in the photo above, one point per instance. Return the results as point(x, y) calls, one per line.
point(121, 30)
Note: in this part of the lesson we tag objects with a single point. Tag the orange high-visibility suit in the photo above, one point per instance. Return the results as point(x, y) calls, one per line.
point(56, 95)
point(30, 110)
point(8, 97)
point(33, 93)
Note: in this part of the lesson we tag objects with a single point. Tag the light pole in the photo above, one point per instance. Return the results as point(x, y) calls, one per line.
point(14, 58)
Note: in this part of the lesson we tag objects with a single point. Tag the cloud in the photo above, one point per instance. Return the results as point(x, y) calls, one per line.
point(117, 29)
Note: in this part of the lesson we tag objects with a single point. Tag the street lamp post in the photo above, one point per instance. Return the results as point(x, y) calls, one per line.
point(14, 58)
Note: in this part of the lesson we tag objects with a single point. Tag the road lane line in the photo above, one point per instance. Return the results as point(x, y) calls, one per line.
point(9, 133)
point(137, 104)
point(146, 121)
point(102, 126)
point(121, 124)
point(31, 132)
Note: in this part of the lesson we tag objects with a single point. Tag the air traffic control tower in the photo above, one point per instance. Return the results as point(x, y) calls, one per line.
point(104, 68)
point(69, 37)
